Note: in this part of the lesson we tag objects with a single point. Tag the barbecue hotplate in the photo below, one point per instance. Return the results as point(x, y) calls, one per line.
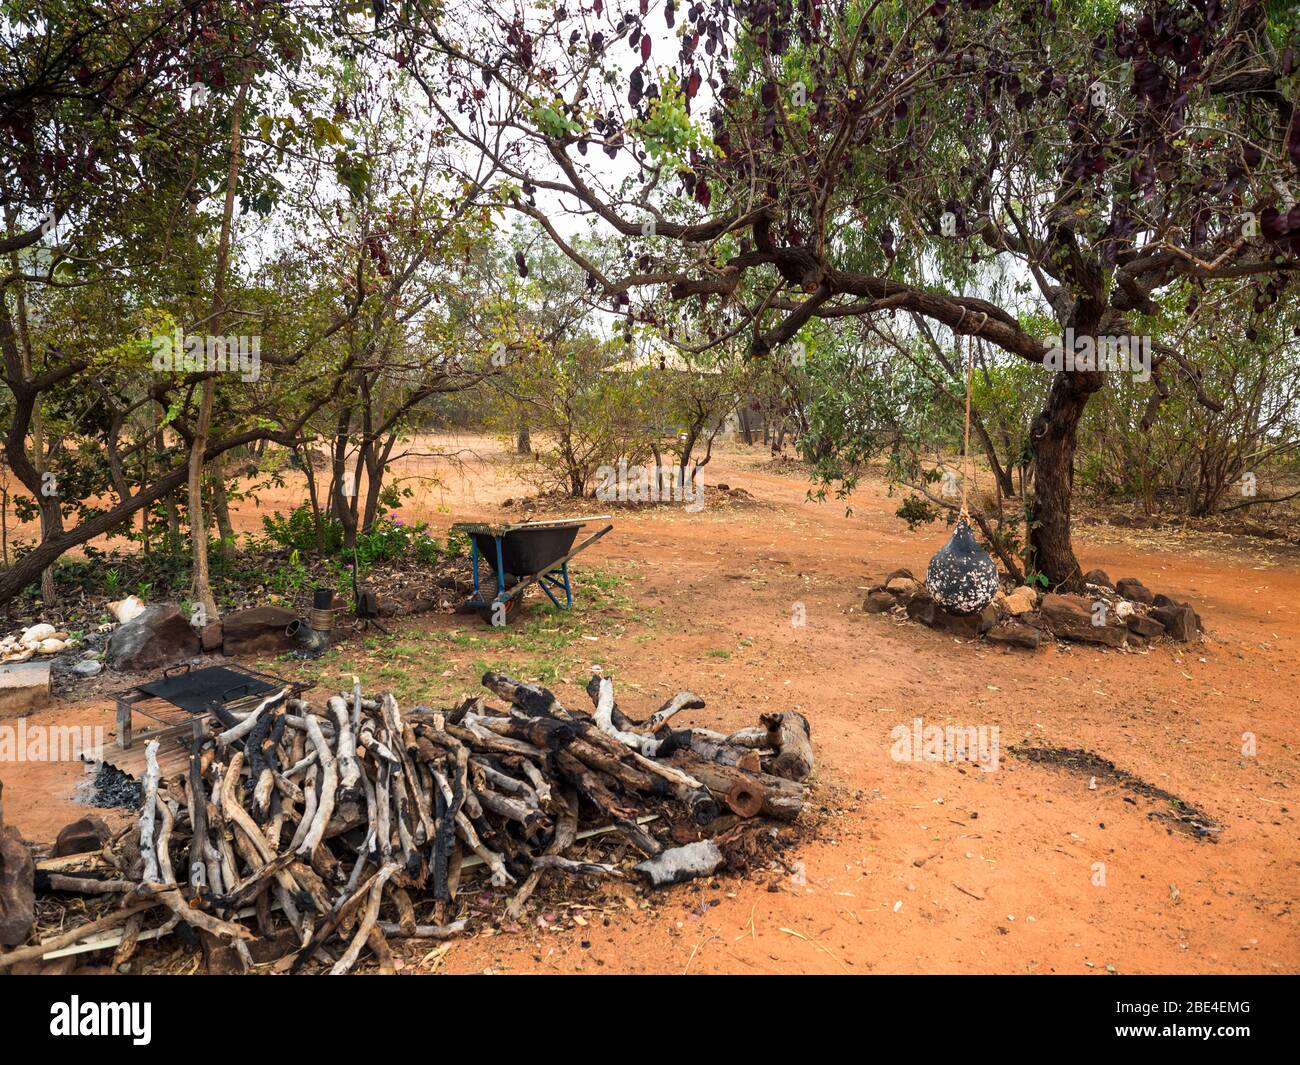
point(200, 690)
point(183, 696)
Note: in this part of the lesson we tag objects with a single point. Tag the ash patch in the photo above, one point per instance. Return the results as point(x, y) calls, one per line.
point(112, 788)
point(1176, 814)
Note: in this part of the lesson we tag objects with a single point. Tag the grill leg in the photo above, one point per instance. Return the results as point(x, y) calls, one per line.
point(124, 725)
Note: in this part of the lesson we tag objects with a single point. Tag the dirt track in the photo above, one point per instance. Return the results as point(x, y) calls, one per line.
point(923, 867)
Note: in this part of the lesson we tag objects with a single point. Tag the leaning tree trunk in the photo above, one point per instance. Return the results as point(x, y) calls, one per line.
point(1055, 437)
point(51, 511)
point(202, 586)
point(198, 526)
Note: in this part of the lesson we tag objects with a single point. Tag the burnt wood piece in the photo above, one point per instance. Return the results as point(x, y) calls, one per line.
point(620, 719)
point(566, 833)
point(530, 698)
point(777, 797)
point(148, 814)
point(575, 868)
point(789, 734)
point(368, 918)
point(712, 746)
point(679, 864)
point(423, 931)
point(679, 702)
point(541, 732)
point(683, 700)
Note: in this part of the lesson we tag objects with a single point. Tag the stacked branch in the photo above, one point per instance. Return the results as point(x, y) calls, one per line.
point(334, 821)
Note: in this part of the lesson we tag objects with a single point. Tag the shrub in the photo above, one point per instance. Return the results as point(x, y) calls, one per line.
point(297, 531)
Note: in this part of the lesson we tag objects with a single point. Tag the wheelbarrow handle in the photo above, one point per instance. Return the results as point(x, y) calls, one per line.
point(528, 582)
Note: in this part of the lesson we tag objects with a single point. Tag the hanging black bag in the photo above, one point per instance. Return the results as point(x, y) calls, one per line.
point(961, 577)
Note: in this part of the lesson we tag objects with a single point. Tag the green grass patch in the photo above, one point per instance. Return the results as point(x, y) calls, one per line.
point(541, 644)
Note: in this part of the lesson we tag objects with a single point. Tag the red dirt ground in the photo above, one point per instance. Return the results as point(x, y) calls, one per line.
point(921, 867)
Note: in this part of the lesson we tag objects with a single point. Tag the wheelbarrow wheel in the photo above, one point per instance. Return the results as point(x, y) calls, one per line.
point(512, 608)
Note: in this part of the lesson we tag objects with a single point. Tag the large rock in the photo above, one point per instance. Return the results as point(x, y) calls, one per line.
point(902, 586)
point(878, 602)
point(17, 885)
point(81, 837)
point(159, 637)
point(1165, 600)
point(1015, 634)
point(1134, 589)
point(1071, 617)
point(212, 636)
point(1147, 627)
point(905, 591)
point(1179, 621)
point(1021, 600)
point(1099, 578)
point(259, 630)
point(968, 625)
point(922, 610)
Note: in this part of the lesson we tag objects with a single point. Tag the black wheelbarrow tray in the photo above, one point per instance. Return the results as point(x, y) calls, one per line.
point(522, 554)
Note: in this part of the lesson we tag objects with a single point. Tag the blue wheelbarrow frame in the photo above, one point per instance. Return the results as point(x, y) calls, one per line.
point(533, 552)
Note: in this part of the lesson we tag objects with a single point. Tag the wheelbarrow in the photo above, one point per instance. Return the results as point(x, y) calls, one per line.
point(523, 554)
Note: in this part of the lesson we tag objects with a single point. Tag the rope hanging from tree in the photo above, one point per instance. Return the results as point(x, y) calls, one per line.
point(967, 466)
point(961, 577)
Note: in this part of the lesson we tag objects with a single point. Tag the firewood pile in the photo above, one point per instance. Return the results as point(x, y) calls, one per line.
point(330, 825)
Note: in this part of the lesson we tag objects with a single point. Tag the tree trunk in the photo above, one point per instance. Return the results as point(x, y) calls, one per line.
point(201, 588)
point(376, 462)
point(51, 513)
point(48, 501)
point(221, 507)
point(523, 441)
point(198, 525)
point(172, 538)
point(1055, 436)
point(318, 521)
point(347, 485)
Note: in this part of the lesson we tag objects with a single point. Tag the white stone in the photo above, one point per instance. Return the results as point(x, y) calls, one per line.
point(36, 634)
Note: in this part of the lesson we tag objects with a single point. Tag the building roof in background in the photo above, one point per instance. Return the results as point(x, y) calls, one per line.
point(662, 358)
